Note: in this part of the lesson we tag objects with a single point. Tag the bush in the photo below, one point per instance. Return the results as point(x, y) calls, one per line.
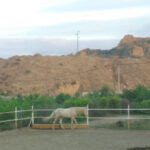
point(145, 104)
point(106, 91)
point(137, 95)
point(80, 101)
point(110, 102)
point(61, 98)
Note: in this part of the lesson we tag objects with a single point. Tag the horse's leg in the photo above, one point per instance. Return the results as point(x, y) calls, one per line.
point(71, 123)
point(54, 122)
point(75, 121)
point(61, 124)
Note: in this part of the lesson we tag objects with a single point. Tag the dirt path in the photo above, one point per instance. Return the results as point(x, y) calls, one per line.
point(85, 139)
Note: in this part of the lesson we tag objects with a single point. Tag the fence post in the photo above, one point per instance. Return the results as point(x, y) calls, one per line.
point(128, 116)
point(21, 117)
point(32, 117)
point(16, 118)
point(87, 118)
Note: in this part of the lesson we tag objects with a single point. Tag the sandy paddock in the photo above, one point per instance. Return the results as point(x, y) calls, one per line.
point(77, 139)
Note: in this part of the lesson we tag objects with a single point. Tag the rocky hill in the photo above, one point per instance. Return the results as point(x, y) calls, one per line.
point(87, 71)
point(129, 46)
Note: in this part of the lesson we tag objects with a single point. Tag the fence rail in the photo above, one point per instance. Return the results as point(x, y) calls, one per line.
point(32, 114)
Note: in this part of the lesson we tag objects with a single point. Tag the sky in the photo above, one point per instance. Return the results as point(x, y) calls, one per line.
point(50, 27)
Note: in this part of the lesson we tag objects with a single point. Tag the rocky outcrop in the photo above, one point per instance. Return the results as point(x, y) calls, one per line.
point(129, 46)
point(136, 46)
point(127, 40)
point(137, 51)
point(68, 88)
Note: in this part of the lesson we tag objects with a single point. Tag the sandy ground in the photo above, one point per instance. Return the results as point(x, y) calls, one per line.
point(77, 139)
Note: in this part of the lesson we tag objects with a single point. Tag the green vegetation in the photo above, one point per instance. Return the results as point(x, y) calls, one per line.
point(138, 97)
point(103, 98)
point(117, 51)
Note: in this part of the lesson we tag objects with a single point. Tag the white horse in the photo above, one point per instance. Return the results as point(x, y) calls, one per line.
point(72, 113)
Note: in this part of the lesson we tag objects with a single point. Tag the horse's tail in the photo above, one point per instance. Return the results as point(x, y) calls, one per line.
point(45, 119)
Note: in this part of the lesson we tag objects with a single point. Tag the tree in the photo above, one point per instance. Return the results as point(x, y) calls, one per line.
point(61, 98)
point(106, 91)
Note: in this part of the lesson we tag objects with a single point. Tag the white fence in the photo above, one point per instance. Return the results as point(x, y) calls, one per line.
point(32, 115)
point(15, 118)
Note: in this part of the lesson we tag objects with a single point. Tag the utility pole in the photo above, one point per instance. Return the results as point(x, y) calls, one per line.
point(78, 40)
point(118, 70)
